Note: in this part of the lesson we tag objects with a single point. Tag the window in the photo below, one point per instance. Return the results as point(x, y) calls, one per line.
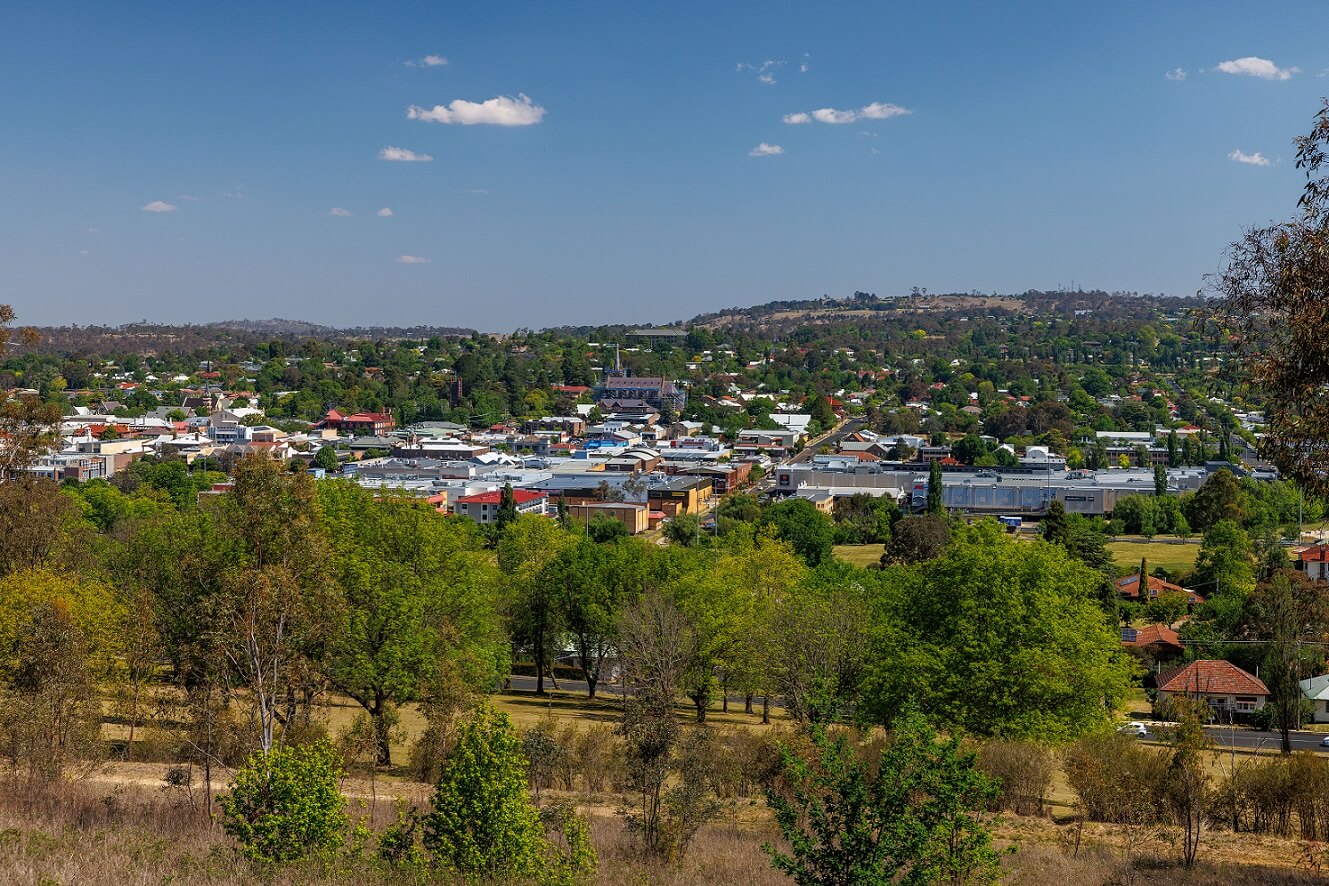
point(1245, 703)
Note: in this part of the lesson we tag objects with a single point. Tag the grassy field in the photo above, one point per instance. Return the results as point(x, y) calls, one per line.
point(1175, 558)
point(860, 555)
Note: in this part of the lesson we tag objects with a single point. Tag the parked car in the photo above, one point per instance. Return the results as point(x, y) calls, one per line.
point(1324, 742)
point(1135, 727)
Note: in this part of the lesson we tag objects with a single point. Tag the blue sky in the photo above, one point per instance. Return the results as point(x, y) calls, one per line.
point(988, 146)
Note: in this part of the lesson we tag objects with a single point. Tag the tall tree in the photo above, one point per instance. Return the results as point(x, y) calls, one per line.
point(1275, 291)
point(527, 549)
point(935, 503)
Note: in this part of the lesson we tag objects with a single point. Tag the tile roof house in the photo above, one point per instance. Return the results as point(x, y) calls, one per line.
point(1160, 641)
point(1314, 561)
point(1130, 587)
point(1226, 687)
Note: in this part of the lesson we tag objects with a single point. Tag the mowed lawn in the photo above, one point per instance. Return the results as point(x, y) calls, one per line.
point(859, 555)
point(1176, 558)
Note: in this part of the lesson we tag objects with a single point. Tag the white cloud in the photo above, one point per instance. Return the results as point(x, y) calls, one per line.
point(882, 111)
point(411, 260)
point(341, 213)
point(806, 64)
point(834, 117)
point(159, 206)
point(402, 155)
point(385, 212)
point(837, 117)
point(429, 61)
point(84, 252)
point(765, 71)
point(1253, 66)
point(1176, 74)
point(765, 150)
point(1256, 159)
point(502, 110)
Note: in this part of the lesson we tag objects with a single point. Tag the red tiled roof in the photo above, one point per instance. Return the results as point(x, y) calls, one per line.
point(1156, 634)
point(1212, 678)
point(520, 496)
point(1315, 554)
point(1130, 587)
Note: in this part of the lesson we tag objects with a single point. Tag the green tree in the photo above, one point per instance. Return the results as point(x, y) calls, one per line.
point(418, 597)
point(482, 822)
point(935, 504)
point(527, 548)
point(807, 529)
point(507, 508)
point(1160, 480)
point(326, 458)
point(1224, 573)
point(1001, 637)
point(286, 804)
point(918, 818)
point(1219, 498)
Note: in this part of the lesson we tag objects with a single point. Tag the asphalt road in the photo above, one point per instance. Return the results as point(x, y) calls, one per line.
point(1249, 739)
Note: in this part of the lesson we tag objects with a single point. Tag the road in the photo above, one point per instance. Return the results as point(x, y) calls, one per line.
point(1251, 740)
point(831, 438)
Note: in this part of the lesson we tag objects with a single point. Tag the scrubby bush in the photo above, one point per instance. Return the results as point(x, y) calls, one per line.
point(1116, 778)
point(1024, 771)
point(286, 804)
point(482, 822)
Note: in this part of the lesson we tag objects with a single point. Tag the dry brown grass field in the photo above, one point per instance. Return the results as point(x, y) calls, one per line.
point(120, 824)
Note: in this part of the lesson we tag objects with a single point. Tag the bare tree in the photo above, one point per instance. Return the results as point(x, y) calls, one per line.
point(657, 645)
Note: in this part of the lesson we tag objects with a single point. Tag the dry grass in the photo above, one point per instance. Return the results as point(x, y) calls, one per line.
point(98, 834)
point(1174, 557)
point(859, 555)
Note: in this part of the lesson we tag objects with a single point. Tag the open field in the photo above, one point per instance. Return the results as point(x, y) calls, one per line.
point(1176, 556)
point(860, 555)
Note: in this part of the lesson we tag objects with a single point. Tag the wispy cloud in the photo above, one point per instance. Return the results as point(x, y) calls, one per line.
point(403, 155)
point(1176, 74)
point(1256, 159)
point(806, 64)
point(189, 197)
point(159, 206)
point(385, 212)
point(412, 260)
point(501, 110)
point(765, 71)
point(340, 213)
point(1253, 66)
point(429, 61)
point(838, 117)
point(477, 191)
point(765, 150)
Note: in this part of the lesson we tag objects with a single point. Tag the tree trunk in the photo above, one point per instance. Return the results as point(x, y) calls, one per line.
point(724, 697)
point(538, 656)
point(699, 700)
point(747, 702)
point(382, 737)
point(766, 708)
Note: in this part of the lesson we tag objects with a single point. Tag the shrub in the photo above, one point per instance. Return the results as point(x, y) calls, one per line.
point(1024, 771)
point(286, 804)
point(483, 823)
point(1116, 778)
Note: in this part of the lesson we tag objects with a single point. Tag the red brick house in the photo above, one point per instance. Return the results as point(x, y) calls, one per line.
point(376, 423)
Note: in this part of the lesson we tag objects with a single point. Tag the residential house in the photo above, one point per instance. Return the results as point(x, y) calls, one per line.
point(634, 517)
point(1130, 587)
point(1154, 643)
point(1316, 690)
point(1314, 562)
point(1224, 686)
